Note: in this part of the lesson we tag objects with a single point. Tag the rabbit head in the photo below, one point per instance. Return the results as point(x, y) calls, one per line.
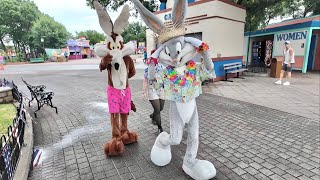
point(174, 48)
point(114, 43)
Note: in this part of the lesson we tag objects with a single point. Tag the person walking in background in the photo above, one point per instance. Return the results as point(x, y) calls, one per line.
point(145, 56)
point(153, 90)
point(66, 54)
point(288, 57)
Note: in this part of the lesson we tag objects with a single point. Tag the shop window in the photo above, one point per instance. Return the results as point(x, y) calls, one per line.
point(195, 35)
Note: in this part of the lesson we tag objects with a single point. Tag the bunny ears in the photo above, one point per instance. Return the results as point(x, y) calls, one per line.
point(157, 26)
point(106, 23)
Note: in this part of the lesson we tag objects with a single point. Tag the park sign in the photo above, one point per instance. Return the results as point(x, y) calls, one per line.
point(297, 41)
point(167, 17)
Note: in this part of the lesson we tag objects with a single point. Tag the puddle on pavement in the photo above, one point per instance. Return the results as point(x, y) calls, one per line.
point(97, 122)
point(96, 112)
point(101, 105)
point(74, 136)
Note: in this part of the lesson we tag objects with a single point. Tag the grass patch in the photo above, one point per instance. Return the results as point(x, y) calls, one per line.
point(7, 114)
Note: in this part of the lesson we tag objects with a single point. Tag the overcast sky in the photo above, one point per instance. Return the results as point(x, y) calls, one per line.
point(74, 14)
point(77, 16)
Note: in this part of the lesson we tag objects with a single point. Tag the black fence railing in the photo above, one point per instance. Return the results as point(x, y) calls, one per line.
point(12, 142)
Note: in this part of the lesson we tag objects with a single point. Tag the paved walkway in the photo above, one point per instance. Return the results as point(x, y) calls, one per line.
point(242, 139)
point(82, 64)
point(301, 98)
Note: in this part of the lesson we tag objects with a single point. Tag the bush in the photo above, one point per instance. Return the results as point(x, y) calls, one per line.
point(12, 59)
point(20, 57)
point(44, 56)
point(7, 114)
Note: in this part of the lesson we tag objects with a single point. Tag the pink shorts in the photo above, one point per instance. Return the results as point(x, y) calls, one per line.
point(119, 101)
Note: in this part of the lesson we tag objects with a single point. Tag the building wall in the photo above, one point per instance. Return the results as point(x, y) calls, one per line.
point(297, 40)
point(210, 7)
point(298, 32)
point(298, 61)
point(223, 36)
point(221, 24)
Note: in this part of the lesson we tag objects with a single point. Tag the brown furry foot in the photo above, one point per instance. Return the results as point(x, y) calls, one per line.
point(129, 137)
point(114, 147)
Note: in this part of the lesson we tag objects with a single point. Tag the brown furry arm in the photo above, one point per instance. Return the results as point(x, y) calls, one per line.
point(105, 62)
point(132, 69)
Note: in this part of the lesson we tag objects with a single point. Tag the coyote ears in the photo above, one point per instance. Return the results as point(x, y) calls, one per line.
point(106, 23)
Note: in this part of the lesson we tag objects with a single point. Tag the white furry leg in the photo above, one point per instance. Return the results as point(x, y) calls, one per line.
point(197, 169)
point(161, 154)
point(201, 170)
point(161, 151)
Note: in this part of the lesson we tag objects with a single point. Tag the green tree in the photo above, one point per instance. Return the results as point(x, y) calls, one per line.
point(115, 4)
point(92, 35)
point(7, 9)
point(302, 8)
point(134, 31)
point(16, 20)
point(260, 12)
point(3, 33)
point(55, 35)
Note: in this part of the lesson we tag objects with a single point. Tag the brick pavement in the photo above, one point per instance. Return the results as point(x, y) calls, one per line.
point(301, 98)
point(243, 140)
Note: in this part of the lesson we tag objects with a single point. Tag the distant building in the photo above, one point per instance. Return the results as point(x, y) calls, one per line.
point(79, 48)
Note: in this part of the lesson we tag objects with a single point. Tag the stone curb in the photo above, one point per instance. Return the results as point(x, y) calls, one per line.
point(23, 167)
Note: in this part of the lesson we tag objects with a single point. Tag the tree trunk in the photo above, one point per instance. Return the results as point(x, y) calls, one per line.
point(4, 47)
point(269, 18)
point(239, 2)
point(305, 12)
point(24, 52)
point(15, 47)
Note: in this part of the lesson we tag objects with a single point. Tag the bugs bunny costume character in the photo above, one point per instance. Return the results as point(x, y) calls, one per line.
point(120, 67)
point(182, 84)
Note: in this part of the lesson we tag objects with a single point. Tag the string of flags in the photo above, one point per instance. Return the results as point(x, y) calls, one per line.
point(7, 160)
point(37, 157)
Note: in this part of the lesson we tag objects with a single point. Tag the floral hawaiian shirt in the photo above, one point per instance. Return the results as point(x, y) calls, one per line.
point(187, 92)
point(154, 75)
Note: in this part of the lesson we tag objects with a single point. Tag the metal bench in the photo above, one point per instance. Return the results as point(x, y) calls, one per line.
point(232, 68)
point(36, 60)
point(42, 97)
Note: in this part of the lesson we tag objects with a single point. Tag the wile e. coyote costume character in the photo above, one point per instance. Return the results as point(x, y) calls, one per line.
point(182, 84)
point(120, 67)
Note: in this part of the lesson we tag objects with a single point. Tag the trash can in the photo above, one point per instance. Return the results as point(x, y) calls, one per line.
point(276, 65)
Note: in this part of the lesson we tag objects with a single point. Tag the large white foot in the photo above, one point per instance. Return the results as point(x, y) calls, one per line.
point(161, 155)
point(202, 170)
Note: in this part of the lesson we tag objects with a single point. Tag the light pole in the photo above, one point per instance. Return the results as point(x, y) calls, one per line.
point(42, 40)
